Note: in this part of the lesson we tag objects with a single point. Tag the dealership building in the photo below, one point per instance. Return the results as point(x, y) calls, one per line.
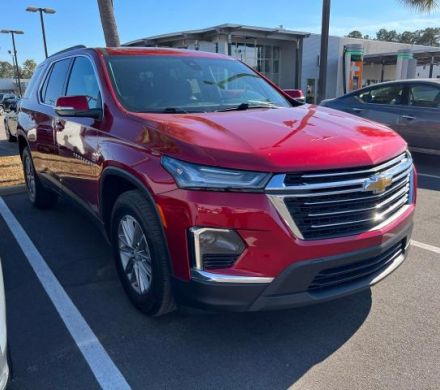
point(291, 58)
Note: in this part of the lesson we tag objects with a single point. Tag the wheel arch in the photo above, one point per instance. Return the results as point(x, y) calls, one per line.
point(22, 143)
point(109, 193)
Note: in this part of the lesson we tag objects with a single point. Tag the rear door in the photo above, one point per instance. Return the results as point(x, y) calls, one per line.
point(420, 122)
point(77, 138)
point(44, 149)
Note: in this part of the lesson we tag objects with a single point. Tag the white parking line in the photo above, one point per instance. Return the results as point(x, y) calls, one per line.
point(428, 247)
point(102, 366)
point(428, 175)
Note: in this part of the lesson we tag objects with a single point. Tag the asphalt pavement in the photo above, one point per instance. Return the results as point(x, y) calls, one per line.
point(388, 337)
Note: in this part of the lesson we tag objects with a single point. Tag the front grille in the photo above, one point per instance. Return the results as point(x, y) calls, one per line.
point(337, 276)
point(338, 203)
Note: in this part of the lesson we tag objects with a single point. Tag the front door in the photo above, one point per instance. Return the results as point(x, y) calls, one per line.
point(383, 104)
point(77, 138)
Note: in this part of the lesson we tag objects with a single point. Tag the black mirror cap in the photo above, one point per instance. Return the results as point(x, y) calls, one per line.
point(94, 113)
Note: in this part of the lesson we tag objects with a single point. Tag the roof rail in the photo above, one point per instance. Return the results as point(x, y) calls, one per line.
point(68, 49)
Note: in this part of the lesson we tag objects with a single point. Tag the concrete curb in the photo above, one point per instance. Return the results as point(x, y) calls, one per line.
point(12, 190)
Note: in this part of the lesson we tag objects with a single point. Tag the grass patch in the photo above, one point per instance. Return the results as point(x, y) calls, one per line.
point(11, 171)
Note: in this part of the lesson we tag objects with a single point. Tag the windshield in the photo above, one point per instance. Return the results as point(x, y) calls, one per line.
point(174, 84)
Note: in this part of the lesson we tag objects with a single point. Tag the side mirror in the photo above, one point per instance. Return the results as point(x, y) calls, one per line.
point(76, 106)
point(296, 94)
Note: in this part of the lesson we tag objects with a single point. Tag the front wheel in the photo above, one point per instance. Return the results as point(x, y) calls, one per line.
point(39, 196)
point(141, 254)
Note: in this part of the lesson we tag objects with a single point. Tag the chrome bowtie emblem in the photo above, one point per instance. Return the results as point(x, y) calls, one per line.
point(377, 184)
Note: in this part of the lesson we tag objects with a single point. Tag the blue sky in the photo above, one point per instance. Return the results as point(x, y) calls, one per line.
point(77, 21)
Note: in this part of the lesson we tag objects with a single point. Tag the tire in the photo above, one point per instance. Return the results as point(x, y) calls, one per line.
point(149, 289)
point(39, 196)
point(10, 137)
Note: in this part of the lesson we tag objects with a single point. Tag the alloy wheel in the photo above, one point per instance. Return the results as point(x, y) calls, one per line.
point(134, 254)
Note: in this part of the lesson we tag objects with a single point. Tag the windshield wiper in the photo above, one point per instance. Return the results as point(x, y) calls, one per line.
point(247, 106)
point(174, 110)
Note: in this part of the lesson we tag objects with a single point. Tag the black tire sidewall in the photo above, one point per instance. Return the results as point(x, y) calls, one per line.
point(151, 299)
point(27, 155)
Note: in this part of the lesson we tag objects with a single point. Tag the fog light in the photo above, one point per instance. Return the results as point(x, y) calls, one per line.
point(215, 248)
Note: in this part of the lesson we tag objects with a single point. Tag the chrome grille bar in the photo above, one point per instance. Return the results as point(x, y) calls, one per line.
point(316, 205)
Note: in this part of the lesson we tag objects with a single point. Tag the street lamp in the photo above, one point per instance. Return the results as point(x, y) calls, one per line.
point(323, 57)
point(46, 11)
point(17, 70)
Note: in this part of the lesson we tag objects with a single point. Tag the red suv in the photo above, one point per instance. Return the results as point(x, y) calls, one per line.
point(215, 188)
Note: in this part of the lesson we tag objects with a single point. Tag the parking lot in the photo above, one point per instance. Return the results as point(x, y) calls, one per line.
point(388, 337)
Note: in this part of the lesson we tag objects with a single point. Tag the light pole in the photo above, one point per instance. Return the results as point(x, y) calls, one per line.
point(41, 11)
point(322, 82)
point(13, 65)
point(17, 70)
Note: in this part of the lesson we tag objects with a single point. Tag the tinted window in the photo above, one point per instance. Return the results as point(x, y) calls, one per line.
point(392, 94)
point(54, 87)
point(33, 83)
point(189, 84)
point(424, 96)
point(83, 82)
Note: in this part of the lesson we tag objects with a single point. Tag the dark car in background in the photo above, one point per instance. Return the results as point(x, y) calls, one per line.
point(5, 100)
point(410, 107)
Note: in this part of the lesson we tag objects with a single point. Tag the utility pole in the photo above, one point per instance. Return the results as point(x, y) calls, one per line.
point(14, 50)
point(108, 22)
point(41, 11)
point(322, 82)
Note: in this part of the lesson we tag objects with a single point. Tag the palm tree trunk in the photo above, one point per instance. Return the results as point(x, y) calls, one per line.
point(109, 23)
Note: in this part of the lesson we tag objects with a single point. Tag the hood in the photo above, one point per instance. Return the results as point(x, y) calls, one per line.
point(302, 138)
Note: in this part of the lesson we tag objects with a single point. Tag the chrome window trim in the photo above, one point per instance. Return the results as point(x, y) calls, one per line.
point(205, 276)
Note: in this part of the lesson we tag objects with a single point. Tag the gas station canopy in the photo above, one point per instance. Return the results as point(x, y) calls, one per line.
point(423, 57)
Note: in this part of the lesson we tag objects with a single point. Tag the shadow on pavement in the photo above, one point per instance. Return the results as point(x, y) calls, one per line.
point(427, 165)
point(182, 350)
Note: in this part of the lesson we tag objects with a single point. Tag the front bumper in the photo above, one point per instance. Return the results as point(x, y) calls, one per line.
point(301, 283)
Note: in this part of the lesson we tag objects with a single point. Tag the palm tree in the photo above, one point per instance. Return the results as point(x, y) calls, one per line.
point(422, 5)
point(109, 23)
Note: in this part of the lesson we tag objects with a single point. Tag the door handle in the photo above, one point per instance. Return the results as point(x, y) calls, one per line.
point(358, 110)
point(409, 117)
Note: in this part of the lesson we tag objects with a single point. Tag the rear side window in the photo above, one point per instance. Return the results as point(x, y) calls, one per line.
point(424, 96)
point(33, 83)
point(83, 82)
point(53, 87)
point(392, 94)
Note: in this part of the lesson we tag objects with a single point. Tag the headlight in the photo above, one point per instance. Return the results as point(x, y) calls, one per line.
point(195, 176)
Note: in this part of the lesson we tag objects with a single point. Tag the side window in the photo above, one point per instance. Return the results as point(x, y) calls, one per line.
point(33, 83)
point(54, 85)
point(392, 94)
point(424, 96)
point(365, 96)
point(83, 82)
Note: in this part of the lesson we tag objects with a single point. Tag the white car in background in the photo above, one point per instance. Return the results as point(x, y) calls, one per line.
point(4, 366)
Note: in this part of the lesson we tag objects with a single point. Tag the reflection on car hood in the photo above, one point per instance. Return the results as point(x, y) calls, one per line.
point(276, 140)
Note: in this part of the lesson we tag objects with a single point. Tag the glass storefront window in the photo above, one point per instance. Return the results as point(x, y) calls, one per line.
point(264, 58)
